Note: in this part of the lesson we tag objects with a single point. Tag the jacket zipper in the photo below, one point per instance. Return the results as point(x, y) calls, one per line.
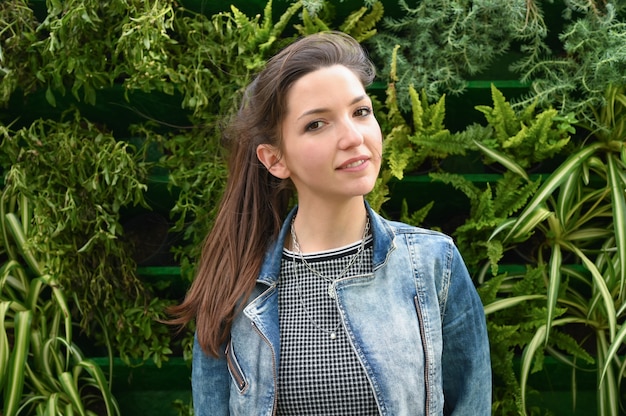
point(267, 341)
point(426, 360)
point(234, 368)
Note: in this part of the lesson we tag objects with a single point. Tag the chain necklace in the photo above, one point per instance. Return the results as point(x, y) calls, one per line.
point(331, 282)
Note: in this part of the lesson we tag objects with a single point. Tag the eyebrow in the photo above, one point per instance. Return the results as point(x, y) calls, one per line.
point(323, 110)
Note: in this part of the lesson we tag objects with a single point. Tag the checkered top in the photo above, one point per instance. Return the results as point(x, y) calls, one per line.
point(318, 375)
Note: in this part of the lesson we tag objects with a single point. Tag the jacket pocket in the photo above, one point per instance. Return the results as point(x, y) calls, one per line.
point(234, 369)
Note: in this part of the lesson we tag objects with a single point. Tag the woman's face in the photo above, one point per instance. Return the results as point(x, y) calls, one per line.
point(332, 143)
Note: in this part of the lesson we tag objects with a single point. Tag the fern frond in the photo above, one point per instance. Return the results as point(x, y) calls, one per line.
point(241, 19)
point(440, 144)
point(362, 26)
point(416, 218)
point(394, 116)
point(279, 27)
point(351, 21)
point(512, 193)
point(458, 182)
point(267, 23)
point(417, 109)
point(436, 113)
point(396, 151)
point(567, 343)
point(528, 112)
point(501, 116)
point(531, 282)
point(489, 290)
point(484, 208)
point(311, 24)
point(540, 129)
point(495, 252)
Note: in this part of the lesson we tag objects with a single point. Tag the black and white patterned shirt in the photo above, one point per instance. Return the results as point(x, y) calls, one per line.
point(319, 374)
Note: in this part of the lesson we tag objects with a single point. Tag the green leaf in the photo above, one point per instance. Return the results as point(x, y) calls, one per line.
point(502, 304)
point(554, 283)
point(52, 404)
point(50, 97)
point(612, 354)
point(559, 176)
point(70, 387)
point(618, 190)
point(567, 193)
point(101, 382)
point(417, 110)
point(17, 363)
point(61, 304)
point(15, 227)
point(502, 159)
point(4, 343)
point(532, 219)
point(600, 285)
point(532, 348)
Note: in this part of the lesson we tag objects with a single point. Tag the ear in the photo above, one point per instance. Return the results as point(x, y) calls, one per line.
point(272, 160)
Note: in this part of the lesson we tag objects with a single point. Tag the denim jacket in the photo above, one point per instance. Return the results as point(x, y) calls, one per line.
point(416, 324)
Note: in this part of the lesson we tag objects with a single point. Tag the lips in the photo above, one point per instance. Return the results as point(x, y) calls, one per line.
point(353, 163)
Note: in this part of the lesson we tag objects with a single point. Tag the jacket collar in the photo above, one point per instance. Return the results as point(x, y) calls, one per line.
point(383, 245)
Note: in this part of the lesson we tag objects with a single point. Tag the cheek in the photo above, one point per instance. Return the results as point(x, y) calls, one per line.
point(307, 155)
point(377, 142)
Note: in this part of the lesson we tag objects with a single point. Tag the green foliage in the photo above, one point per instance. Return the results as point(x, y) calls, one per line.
point(488, 209)
point(408, 145)
point(361, 26)
point(17, 32)
point(76, 180)
point(516, 312)
point(416, 217)
point(87, 45)
point(444, 43)
point(589, 56)
point(580, 211)
point(43, 370)
point(380, 194)
point(196, 175)
point(182, 408)
point(204, 58)
point(526, 135)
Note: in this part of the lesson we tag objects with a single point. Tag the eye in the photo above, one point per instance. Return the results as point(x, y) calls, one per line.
point(363, 112)
point(314, 125)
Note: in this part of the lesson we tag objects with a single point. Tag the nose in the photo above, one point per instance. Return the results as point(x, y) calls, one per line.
point(350, 135)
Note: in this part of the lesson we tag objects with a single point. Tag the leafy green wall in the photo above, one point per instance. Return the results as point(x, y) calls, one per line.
point(504, 126)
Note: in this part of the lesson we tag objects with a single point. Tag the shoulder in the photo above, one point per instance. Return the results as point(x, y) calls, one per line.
point(388, 233)
point(400, 228)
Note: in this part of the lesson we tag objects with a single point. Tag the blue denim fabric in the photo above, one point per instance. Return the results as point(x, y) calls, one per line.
point(416, 324)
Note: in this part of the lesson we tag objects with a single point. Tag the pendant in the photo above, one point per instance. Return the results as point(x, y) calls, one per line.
point(333, 335)
point(331, 291)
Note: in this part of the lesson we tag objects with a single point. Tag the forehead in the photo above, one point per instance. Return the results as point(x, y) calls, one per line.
point(332, 84)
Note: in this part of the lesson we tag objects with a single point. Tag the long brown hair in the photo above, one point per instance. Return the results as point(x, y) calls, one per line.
point(255, 202)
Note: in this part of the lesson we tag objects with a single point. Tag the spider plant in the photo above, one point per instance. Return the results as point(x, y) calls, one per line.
point(42, 371)
point(580, 211)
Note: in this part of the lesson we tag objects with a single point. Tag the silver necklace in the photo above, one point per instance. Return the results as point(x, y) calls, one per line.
point(331, 282)
point(332, 333)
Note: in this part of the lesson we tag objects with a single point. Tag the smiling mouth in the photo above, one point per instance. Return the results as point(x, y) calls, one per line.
point(354, 164)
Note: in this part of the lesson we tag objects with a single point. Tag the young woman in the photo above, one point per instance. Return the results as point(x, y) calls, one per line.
point(327, 308)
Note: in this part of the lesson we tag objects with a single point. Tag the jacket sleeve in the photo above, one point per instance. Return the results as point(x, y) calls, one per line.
point(466, 360)
point(210, 383)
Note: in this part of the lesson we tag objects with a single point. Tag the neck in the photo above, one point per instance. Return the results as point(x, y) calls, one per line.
point(320, 229)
